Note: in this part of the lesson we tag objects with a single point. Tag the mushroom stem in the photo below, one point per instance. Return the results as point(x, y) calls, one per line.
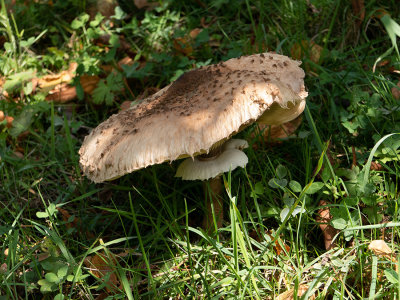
point(214, 204)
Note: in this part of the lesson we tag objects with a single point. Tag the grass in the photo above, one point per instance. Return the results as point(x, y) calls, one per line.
point(139, 236)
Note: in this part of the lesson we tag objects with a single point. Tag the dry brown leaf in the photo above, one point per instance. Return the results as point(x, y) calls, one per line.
point(145, 3)
point(184, 44)
point(125, 61)
point(396, 91)
point(62, 93)
point(273, 133)
point(323, 218)
point(376, 166)
point(102, 265)
point(18, 154)
point(279, 249)
point(379, 13)
point(358, 10)
point(89, 83)
point(66, 216)
point(195, 32)
point(49, 82)
point(9, 121)
point(307, 49)
point(3, 268)
point(380, 248)
point(106, 7)
point(2, 116)
point(289, 295)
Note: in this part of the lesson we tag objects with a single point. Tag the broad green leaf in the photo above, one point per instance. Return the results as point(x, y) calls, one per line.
point(295, 186)
point(46, 286)
point(276, 183)
point(314, 187)
point(392, 276)
point(339, 223)
point(62, 272)
point(51, 277)
point(59, 297)
point(284, 213)
point(281, 171)
point(15, 81)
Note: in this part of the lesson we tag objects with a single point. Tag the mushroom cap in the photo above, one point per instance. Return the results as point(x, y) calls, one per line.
point(201, 109)
point(202, 169)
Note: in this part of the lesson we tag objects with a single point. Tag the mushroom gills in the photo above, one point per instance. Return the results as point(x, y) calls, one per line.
point(229, 159)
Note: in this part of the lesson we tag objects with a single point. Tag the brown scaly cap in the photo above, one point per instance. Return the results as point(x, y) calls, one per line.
point(200, 109)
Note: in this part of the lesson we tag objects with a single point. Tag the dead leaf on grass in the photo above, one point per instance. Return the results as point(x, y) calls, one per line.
point(49, 82)
point(184, 44)
point(376, 166)
point(89, 83)
point(18, 154)
point(323, 218)
point(396, 91)
point(3, 268)
point(274, 133)
point(145, 4)
point(307, 49)
point(358, 10)
point(289, 295)
point(380, 248)
point(62, 93)
point(9, 121)
point(103, 266)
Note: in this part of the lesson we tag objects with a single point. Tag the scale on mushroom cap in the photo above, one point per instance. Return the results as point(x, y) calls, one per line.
point(198, 113)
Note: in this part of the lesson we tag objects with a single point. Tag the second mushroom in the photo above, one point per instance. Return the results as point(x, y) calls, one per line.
point(194, 118)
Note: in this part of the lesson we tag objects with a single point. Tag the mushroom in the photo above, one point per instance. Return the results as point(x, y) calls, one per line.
point(195, 116)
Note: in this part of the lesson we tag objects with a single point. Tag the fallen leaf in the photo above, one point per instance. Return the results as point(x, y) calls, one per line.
point(279, 249)
point(102, 265)
point(62, 93)
point(383, 63)
point(145, 4)
point(125, 61)
point(307, 49)
point(376, 166)
point(323, 218)
point(89, 83)
point(358, 10)
point(289, 295)
point(66, 218)
point(195, 32)
point(9, 121)
point(18, 154)
point(3, 268)
point(274, 133)
point(106, 7)
point(49, 82)
point(396, 91)
point(184, 44)
point(380, 248)
point(379, 13)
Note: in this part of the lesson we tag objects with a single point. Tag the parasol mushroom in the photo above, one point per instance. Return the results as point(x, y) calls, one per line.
point(194, 116)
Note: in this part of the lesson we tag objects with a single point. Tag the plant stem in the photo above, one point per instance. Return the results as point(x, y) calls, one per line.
point(214, 205)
